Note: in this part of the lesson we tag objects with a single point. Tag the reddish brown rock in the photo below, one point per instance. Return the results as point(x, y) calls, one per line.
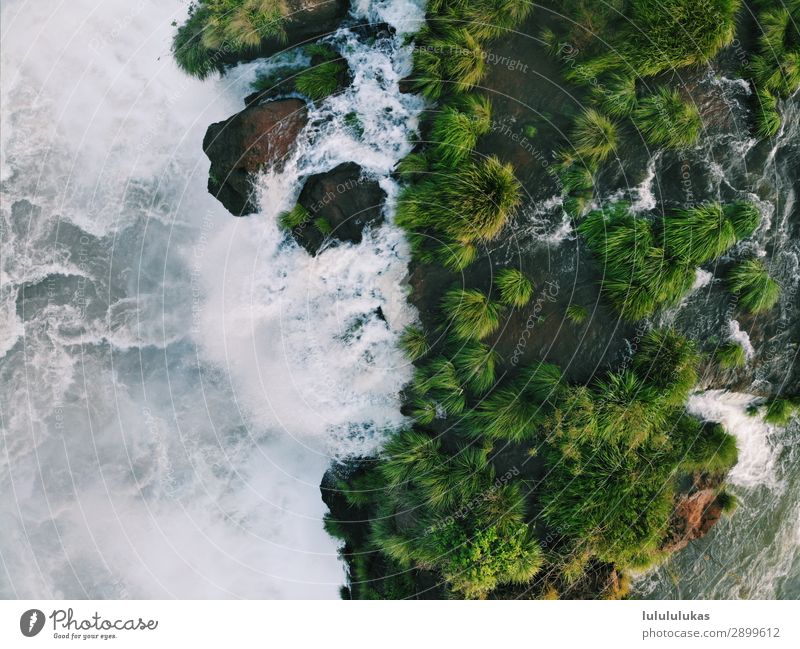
point(258, 137)
point(695, 514)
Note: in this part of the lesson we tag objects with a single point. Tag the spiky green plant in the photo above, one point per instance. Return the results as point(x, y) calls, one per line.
point(577, 314)
point(506, 415)
point(471, 204)
point(243, 24)
point(638, 276)
point(627, 409)
point(617, 96)
point(665, 119)
point(294, 218)
point(472, 315)
point(439, 381)
point(744, 216)
point(576, 178)
point(777, 68)
point(514, 286)
point(190, 54)
point(731, 356)
point(668, 361)
point(321, 80)
point(323, 226)
point(617, 503)
point(456, 256)
point(757, 291)
point(779, 411)
point(413, 165)
point(455, 133)
point(454, 62)
point(217, 26)
point(699, 234)
point(414, 342)
point(476, 364)
point(728, 502)
point(487, 19)
point(706, 447)
point(768, 118)
point(666, 35)
point(594, 135)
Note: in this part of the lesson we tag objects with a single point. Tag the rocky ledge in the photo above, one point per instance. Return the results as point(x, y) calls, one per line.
point(258, 137)
point(339, 204)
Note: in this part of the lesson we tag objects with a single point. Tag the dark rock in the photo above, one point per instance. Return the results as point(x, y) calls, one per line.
point(242, 145)
point(345, 199)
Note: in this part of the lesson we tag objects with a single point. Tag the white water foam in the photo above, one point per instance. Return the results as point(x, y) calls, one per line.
point(757, 452)
point(177, 381)
point(741, 337)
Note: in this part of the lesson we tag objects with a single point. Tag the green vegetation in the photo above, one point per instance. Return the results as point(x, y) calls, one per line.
point(640, 275)
point(324, 76)
point(476, 365)
point(665, 119)
point(294, 218)
point(779, 411)
point(728, 502)
point(414, 342)
point(453, 62)
point(515, 288)
point(768, 119)
point(594, 136)
point(730, 356)
point(613, 468)
point(617, 96)
point(703, 233)
point(215, 27)
point(596, 468)
point(466, 525)
point(646, 37)
point(484, 19)
point(577, 314)
point(776, 69)
point(468, 205)
point(756, 290)
point(472, 315)
point(320, 81)
point(455, 131)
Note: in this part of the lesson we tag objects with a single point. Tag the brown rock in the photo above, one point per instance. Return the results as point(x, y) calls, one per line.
point(347, 202)
point(246, 143)
point(695, 514)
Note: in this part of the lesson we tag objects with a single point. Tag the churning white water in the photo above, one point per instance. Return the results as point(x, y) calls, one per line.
point(174, 381)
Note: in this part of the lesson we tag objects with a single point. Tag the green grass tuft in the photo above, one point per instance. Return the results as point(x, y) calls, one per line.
point(731, 356)
point(757, 291)
point(594, 136)
point(476, 364)
point(665, 119)
point(779, 411)
point(473, 316)
point(768, 118)
point(414, 342)
point(456, 132)
point(294, 218)
point(515, 288)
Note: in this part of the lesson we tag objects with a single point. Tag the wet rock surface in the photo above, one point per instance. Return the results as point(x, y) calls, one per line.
point(258, 137)
point(340, 203)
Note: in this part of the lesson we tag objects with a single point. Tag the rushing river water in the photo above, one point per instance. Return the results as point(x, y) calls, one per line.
point(174, 381)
